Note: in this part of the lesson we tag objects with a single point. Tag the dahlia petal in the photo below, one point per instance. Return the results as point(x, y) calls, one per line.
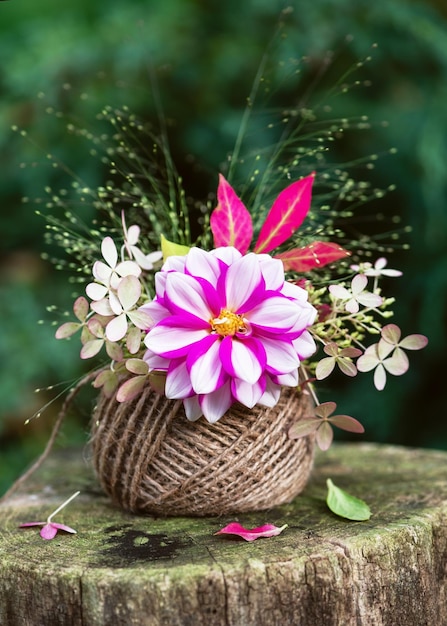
point(174, 263)
point(172, 339)
point(306, 317)
point(304, 345)
point(246, 393)
point(202, 264)
point(281, 356)
point(239, 360)
point(227, 254)
point(193, 409)
point(205, 368)
point(155, 362)
point(275, 314)
point(272, 271)
point(271, 393)
point(287, 380)
point(178, 382)
point(238, 291)
point(155, 310)
point(160, 284)
point(185, 294)
point(290, 290)
point(214, 405)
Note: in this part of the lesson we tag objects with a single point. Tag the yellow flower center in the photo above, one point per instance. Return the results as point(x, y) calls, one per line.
point(228, 323)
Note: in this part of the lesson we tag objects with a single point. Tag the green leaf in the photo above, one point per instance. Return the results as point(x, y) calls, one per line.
point(170, 248)
point(344, 505)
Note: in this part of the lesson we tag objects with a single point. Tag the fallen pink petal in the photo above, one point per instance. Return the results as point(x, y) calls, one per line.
point(50, 529)
point(251, 534)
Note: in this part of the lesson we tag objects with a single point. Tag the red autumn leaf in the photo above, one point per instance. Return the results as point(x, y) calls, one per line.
point(316, 254)
point(230, 221)
point(250, 534)
point(286, 215)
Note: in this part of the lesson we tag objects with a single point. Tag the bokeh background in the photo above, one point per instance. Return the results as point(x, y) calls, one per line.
point(78, 56)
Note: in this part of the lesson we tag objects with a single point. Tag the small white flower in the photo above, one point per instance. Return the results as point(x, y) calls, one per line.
point(379, 269)
point(109, 276)
point(377, 356)
point(356, 295)
point(131, 236)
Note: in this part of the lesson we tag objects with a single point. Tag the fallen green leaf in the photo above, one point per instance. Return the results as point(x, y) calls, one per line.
point(343, 504)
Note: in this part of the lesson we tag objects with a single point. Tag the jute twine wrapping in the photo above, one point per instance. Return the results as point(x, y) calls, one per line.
point(150, 459)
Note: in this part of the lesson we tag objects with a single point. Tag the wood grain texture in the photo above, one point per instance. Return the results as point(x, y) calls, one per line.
point(123, 570)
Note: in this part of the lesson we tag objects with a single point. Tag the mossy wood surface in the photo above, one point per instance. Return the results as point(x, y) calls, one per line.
point(123, 570)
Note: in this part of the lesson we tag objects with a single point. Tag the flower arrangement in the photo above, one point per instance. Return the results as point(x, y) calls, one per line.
point(216, 320)
point(237, 322)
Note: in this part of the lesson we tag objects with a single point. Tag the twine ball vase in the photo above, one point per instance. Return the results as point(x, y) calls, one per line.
point(150, 459)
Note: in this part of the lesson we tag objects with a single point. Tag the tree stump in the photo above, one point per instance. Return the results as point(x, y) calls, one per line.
point(122, 570)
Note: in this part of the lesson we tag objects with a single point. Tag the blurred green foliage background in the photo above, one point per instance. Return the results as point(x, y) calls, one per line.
point(79, 56)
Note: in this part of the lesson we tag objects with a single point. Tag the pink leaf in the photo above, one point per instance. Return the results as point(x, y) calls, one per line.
point(346, 422)
point(131, 388)
point(286, 215)
point(414, 342)
point(80, 308)
point(304, 427)
point(91, 348)
point(316, 254)
point(67, 330)
point(324, 437)
point(230, 221)
point(250, 534)
point(324, 409)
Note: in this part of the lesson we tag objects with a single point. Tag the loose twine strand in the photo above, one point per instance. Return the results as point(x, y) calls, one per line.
point(53, 435)
point(150, 459)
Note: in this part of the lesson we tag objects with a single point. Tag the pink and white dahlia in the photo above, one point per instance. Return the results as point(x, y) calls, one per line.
point(228, 328)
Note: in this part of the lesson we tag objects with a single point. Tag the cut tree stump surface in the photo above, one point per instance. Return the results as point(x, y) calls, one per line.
point(124, 570)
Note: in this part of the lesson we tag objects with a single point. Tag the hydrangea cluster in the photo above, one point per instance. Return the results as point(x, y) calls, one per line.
point(239, 321)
